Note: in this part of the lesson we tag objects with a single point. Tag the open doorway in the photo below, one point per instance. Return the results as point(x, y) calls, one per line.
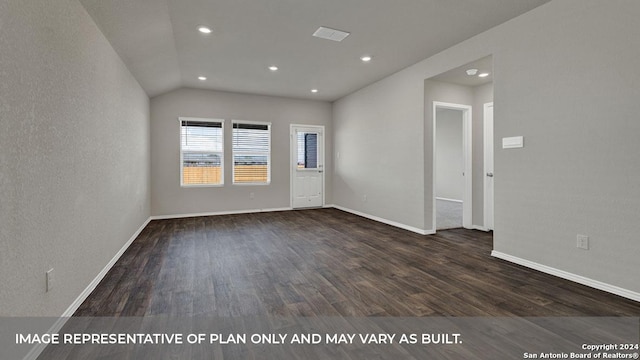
point(452, 165)
point(470, 85)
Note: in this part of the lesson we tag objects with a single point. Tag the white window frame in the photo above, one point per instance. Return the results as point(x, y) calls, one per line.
point(233, 153)
point(221, 153)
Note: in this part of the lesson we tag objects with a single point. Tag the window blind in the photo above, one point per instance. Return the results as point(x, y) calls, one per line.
point(307, 150)
point(201, 152)
point(251, 152)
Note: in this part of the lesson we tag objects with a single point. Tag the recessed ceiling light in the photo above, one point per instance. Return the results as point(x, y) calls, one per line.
point(204, 29)
point(483, 75)
point(273, 68)
point(202, 78)
point(314, 90)
point(472, 72)
point(366, 58)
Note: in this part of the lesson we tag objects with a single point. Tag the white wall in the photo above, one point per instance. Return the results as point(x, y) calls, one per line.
point(378, 138)
point(449, 154)
point(168, 198)
point(566, 78)
point(74, 154)
point(577, 109)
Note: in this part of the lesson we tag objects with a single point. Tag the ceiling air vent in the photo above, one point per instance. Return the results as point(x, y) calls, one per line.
point(330, 34)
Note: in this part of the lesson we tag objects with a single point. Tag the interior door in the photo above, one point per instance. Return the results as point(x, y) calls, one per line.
point(488, 166)
point(307, 166)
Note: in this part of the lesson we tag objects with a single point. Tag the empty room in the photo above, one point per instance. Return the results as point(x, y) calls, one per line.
point(319, 179)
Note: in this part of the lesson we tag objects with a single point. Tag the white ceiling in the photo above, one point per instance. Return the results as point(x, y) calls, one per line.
point(459, 75)
point(159, 42)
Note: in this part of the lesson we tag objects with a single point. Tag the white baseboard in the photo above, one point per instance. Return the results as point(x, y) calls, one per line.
point(481, 228)
point(249, 211)
point(385, 221)
point(447, 199)
point(569, 276)
point(87, 291)
point(379, 219)
point(57, 326)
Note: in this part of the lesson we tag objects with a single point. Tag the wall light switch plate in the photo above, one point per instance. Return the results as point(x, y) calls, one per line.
point(512, 142)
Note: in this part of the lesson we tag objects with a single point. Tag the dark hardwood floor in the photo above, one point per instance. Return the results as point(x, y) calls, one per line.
point(326, 262)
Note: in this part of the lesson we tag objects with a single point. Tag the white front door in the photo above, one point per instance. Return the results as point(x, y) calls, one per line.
point(488, 166)
point(307, 166)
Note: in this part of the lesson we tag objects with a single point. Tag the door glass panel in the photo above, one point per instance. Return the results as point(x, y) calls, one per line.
point(307, 150)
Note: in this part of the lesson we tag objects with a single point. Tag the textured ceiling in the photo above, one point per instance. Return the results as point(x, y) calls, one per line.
point(159, 42)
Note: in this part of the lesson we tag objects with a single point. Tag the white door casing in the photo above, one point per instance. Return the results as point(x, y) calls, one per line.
point(466, 143)
point(307, 166)
point(488, 166)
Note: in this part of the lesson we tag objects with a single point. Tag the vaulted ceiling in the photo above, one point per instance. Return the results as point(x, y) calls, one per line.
point(159, 42)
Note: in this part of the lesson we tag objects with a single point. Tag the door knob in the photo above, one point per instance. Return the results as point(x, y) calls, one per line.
point(489, 174)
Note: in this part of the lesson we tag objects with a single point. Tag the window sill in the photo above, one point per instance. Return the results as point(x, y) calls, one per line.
point(252, 184)
point(201, 186)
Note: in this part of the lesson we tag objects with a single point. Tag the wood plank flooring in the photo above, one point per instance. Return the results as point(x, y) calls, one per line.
point(326, 262)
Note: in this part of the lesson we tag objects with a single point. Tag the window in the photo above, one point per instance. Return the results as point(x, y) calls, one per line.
point(307, 150)
point(201, 152)
point(251, 152)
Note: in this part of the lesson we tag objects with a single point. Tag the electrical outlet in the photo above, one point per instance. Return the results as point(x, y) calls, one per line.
point(252, 195)
point(582, 242)
point(49, 277)
point(364, 198)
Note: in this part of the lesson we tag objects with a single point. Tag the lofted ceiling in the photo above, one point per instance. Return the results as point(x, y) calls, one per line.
point(159, 42)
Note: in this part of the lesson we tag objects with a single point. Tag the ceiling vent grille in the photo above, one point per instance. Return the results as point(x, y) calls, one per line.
point(330, 34)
